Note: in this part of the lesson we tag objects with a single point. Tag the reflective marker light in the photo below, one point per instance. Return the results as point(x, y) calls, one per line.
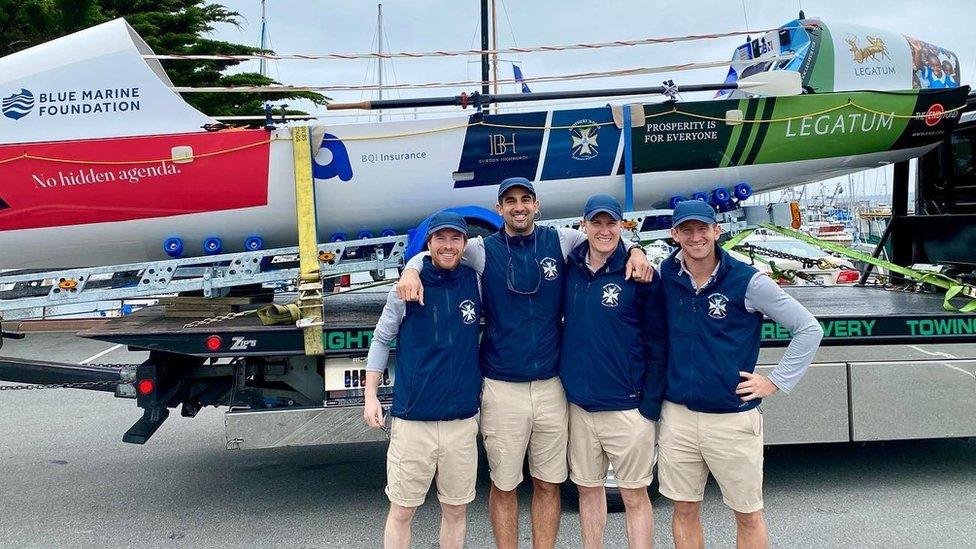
point(214, 342)
point(848, 277)
point(145, 387)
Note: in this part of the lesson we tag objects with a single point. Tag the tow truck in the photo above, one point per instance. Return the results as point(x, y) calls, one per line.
point(301, 382)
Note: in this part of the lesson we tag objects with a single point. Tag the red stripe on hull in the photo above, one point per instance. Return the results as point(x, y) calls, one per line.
point(43, 190)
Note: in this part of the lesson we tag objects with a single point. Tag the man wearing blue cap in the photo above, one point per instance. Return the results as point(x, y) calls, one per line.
point(710, 419)
point(612, 366)
point(436, 389)
point(523, 407)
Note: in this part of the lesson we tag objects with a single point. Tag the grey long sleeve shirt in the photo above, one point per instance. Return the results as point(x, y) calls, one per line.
point(763, 295)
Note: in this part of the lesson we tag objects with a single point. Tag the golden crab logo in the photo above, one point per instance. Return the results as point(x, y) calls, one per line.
point(875, 50)
point(584, 134)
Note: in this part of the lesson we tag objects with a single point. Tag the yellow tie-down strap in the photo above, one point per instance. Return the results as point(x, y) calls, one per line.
point(954, 288)
point(309, 280)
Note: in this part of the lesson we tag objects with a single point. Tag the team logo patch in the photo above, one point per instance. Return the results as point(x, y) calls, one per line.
point(584, 134)
point(468, 313)
point(550, 269)
point(611, 295)
point(717, 304)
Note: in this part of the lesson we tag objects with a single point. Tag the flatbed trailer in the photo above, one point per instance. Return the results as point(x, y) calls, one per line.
point(277, 393)
point(278, 396)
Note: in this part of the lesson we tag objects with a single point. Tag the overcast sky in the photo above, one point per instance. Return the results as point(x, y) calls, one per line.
point(295, 26)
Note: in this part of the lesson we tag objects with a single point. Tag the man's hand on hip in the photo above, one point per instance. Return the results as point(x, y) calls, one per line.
point(754, 386)
point(409, 288)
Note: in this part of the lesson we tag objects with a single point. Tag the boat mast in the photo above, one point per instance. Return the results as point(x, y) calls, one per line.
point(484, 48)
point(263, 63)
point(379, 60)
point(494, 55)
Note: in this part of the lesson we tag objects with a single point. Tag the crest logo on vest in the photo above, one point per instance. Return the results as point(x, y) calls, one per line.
point(550, 269)
point(468, 313)
point(611, 295)
point(716, 305)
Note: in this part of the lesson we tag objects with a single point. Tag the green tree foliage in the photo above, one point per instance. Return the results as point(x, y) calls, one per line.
point(168, 26)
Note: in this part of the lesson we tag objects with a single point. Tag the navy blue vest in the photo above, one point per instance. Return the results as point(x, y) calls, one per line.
point(523, 291)
point(437, 372)
point(615, 337)
point(712, 336)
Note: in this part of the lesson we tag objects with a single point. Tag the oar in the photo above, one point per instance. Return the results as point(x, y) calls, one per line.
point(765, 83)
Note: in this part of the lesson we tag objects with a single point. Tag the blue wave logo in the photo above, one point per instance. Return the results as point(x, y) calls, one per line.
point(18, 105)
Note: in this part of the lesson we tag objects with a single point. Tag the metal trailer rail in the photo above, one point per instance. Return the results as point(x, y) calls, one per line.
point(35, 294)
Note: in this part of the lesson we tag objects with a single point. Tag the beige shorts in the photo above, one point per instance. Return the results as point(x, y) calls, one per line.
point(729, 445)
point(519, 418)
point(421, 451)
point(624, 439)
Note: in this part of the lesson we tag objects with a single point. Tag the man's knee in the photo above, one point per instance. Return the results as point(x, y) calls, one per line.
point(544, 488)
point(454, 512)
point(400, 513)
point(498, 492)
point(591, 492)
point(634, 497)
point(748, 521)
point(687, 510)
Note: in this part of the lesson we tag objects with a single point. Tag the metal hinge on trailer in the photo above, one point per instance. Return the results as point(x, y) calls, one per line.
point(210, 274)
point(635, 220)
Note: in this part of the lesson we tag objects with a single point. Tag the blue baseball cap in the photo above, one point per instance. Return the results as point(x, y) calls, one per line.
point(514, 182)
point(693, 210)
point(602, 203)
point(446, 220)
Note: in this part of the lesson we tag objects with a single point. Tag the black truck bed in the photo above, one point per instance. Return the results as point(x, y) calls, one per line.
point(850, 315)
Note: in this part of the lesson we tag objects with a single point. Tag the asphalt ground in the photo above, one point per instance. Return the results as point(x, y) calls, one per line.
point(67, 480)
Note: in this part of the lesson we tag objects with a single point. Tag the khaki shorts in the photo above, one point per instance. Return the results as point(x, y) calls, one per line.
point(624, 439)
point(729, 445)
point(519, 418)
point(421, 451)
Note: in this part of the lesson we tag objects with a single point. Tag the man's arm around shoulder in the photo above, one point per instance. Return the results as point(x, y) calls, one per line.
point(409, 287)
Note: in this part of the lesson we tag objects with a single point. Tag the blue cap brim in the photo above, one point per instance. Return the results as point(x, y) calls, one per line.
point(615, 215)
point(514, 185)
point(456, 227)
point(702, 218)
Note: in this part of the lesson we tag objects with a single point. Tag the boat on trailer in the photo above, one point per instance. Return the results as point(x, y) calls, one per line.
point(102, 162)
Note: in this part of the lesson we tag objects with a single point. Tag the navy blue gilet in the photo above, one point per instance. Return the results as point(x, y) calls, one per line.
point(614, 349)
point(437, 372)
point(523, 292)
point(712, 336)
